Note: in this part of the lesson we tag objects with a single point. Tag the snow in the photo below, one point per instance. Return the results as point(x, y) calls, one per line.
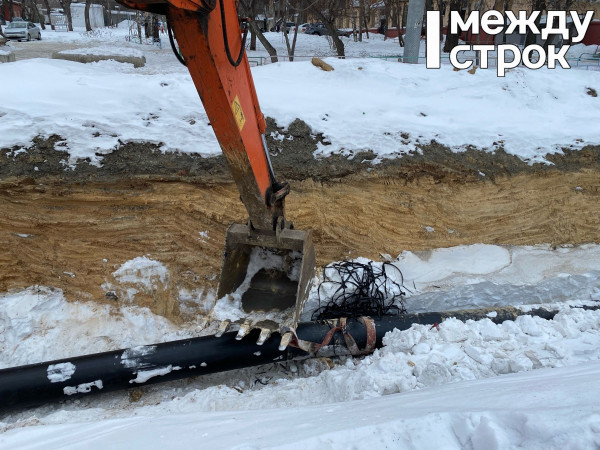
point(142, 270)
point(401, 105)
point(82, 388)
point(528, 383)
point(38, 324)
point(104, 51)
point(58, 373)
point(144, 375)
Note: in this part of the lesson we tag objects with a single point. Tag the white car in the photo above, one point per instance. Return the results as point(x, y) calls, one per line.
point(302, 28)
point(22, 30)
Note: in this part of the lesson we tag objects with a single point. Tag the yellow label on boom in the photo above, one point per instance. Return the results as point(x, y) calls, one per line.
point(236, 107)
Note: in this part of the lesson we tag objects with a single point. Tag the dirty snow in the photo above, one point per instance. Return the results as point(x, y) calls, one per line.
point(142, 270)
point(104, 51)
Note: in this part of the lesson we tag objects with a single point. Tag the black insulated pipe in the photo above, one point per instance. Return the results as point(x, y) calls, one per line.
point(68, 378)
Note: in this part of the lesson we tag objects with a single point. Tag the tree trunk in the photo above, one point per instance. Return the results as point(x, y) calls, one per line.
point(86, 14)
point(361, 18)
point(34, 13)
point(39, 17)
point(265, 43)
point(10, 10)
point(452, 39)
point(252, 39)
point(154, 30)
point(290, 49)
point(538, 5)
point(138, 22)
point(339, 45)
point(66, 6)
point(399, 13)
point(47, 5)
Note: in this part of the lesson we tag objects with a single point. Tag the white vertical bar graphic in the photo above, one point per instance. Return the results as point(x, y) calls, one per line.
point(432, 45)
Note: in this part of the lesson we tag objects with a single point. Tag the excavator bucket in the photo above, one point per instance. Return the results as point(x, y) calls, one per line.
point(265, 280)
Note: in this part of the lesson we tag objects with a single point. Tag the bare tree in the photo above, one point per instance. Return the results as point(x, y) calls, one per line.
point(86, 14)
point(33, 13)
point(538, 5)
point(328, 11)
point(361, 18)
point(250, 7)
point(290, 48)
point(452, 38)
point(49, 11)
point(66, 6)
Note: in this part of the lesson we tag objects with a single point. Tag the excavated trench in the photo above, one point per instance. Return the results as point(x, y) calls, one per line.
point(73, 227)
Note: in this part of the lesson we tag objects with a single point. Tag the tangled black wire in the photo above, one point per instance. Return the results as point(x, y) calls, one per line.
point(360, 290)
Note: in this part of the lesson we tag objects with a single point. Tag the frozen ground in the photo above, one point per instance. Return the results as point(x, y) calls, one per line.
point(468, 385)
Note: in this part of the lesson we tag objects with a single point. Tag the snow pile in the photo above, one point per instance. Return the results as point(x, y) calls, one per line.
point(528, 382)
point(444, 380)
point(484, 276)
point(401, 105)
point(40, 325)
point(419, 358)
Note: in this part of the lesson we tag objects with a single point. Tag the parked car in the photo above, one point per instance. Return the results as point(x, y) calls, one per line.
point(22, 30)
point(320, 30)
point(302, 28)
point(288, 25)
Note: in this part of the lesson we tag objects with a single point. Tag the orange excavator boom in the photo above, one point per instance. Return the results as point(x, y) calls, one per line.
point(210, 42)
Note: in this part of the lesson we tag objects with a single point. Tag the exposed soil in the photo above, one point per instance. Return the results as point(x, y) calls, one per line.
point(71, 228)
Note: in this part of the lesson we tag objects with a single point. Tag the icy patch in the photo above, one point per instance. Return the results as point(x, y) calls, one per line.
point(58, 373)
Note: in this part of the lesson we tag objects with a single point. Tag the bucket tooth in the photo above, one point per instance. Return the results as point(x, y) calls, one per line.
point(243, 331)
point(264, 335)
point(222, 328)
point(285, 340)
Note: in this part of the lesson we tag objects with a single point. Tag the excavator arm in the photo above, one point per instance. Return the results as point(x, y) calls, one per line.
point(211, 46)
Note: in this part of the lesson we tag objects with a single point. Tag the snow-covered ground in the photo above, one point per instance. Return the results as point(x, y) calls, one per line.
point(521, 384)
point(530, 383)
point(365, 103)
